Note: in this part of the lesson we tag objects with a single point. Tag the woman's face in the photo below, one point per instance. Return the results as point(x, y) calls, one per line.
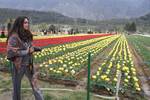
point(26, 24)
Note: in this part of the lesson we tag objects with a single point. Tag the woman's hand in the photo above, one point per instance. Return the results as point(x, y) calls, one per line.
point(30, 50)
point(37, 49)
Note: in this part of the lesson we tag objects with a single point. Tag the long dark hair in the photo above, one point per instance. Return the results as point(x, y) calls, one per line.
point(24, 35)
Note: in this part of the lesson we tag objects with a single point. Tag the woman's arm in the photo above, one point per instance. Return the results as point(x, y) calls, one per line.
point(13, 49)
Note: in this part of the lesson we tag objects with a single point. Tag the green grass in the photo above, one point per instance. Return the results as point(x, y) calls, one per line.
point(68, 96)
point(6, 94)
point(141, 44)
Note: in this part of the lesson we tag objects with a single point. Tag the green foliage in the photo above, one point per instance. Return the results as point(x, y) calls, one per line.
point(141, 44)
point(131, 27)
point(48, 97)
point(2, 35)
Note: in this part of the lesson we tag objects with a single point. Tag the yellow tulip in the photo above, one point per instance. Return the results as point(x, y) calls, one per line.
point(94, 77)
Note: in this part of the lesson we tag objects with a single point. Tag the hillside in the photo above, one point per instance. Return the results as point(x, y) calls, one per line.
point(88, 9)
point(143, 23)
point(40, 16)
point(144, 19)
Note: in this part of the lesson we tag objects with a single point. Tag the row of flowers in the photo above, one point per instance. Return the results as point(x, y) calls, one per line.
point(49, 36)
point(54, 51)
point(62, 40)
point(45, 41)
point(119, 60)
point(58, 50)
point(69, 64)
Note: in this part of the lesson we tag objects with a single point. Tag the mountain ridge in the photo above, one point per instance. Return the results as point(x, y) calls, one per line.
point(89, 9)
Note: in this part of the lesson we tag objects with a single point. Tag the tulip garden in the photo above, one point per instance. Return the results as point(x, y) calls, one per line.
point(65, 57)
point(118, 59)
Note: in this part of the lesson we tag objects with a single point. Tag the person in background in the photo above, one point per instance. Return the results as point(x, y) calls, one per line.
point(9, 26)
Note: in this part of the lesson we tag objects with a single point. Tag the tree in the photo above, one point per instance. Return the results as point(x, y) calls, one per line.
point(130, 27)
point(2, 32)
point(52, 29)
point(133, 27)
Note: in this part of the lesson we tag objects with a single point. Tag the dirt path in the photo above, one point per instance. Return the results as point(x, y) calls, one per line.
point(143, 72)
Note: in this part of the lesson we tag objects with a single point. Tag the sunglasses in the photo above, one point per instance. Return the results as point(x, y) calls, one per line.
point(26, 22)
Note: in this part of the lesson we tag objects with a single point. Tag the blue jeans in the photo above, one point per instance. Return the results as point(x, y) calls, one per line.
point(17, 75)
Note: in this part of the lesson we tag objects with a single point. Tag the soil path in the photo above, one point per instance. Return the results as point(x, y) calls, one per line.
point(143, 72)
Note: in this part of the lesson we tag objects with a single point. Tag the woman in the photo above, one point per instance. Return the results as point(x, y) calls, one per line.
point(19, 52)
